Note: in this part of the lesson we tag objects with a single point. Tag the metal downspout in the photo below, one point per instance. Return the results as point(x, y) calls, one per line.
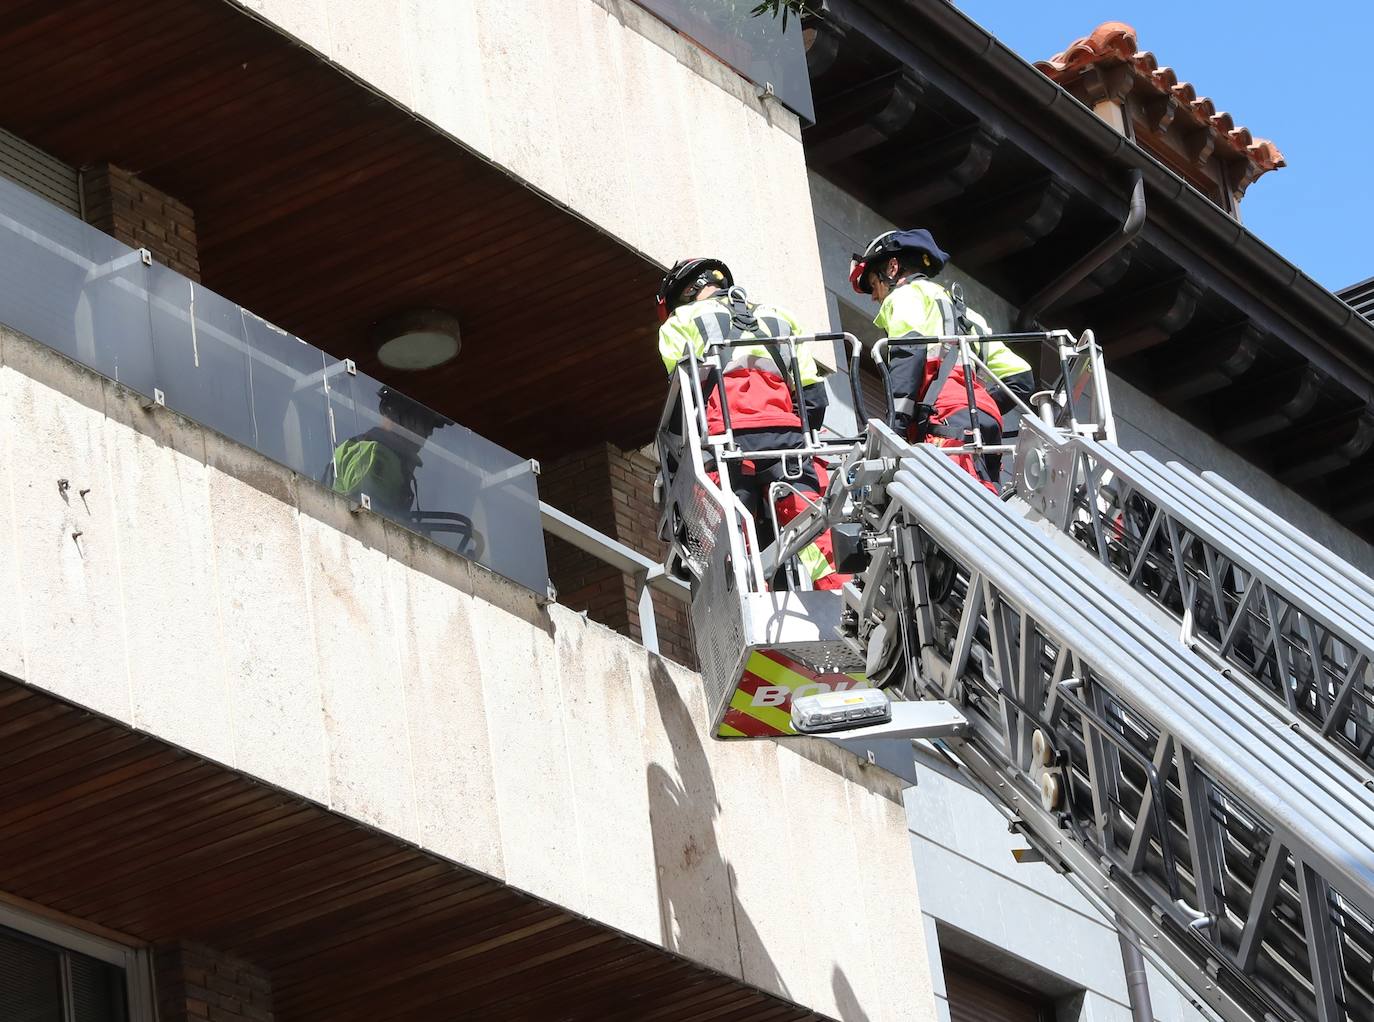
point(1104, 250)
point(1137, 981)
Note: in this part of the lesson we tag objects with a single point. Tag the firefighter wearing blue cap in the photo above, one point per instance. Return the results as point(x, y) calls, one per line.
point(895, 269)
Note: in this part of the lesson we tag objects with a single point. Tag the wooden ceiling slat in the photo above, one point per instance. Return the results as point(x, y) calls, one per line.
point(310, 983)
point(417, 974)
point(114, 752)
point(607, 976)
point(598, 982)
point(125, 61)
point(488, 222)
point(371, 878)
point(170, 781)
point(212, 823)
point(500, 963)
point(22, 726)
point(292, 157)
point(423, 903)
point(58, 800)
point(229, 847)
point(89, 840)
point(372, 201)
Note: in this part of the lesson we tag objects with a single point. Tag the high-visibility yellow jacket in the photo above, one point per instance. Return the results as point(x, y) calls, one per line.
point(922, 308)
point(757, 388)
point(368, 464)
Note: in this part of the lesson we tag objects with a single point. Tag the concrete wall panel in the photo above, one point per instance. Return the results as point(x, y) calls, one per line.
point(605, 109)
point(268, 632)
point(12, 660)
point(451, 758)
point(525, 722)
point(603, 703)
point(695, 899)
point(161, 487)
point(361, 696)
point(67, 549)
point(346, 660)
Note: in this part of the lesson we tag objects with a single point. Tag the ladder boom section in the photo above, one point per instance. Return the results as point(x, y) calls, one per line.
point(1249, 591)
point(1240, 852)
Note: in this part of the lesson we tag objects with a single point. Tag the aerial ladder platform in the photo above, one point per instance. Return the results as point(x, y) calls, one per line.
point(1164, 688)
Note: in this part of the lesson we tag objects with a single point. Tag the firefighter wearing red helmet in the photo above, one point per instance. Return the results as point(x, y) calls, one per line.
point(698, 305)
point(895, 269)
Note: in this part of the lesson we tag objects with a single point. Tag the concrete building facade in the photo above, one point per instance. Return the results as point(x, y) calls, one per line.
point(276, 756)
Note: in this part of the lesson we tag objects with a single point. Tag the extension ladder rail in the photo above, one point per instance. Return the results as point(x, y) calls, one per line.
point(1241, 854)
point(1254, 594)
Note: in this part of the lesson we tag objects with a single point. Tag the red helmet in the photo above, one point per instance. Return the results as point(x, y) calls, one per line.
point(693, 275)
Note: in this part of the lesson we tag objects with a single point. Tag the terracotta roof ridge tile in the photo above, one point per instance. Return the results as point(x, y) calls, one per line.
point(1115, 42)
point(1110, 39)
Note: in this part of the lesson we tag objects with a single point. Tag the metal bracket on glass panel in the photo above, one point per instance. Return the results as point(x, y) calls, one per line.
point(1240, 853)
point(1278, 614)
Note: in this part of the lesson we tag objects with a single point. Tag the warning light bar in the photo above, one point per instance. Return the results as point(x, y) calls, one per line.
point(839, 711)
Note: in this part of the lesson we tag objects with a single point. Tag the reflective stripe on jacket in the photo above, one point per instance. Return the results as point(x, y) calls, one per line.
point(756, 387)
point(922, 308)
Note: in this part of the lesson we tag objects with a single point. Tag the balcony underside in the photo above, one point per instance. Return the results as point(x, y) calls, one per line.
point(115, 828)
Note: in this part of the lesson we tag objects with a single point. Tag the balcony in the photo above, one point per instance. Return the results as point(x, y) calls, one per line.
point(242, 711)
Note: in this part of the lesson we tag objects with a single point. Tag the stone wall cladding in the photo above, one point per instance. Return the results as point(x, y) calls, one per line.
point(196, 983)
point(134, 212)
point(612, 491)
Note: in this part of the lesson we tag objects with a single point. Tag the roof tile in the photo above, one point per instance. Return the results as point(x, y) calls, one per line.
point(1114, 43)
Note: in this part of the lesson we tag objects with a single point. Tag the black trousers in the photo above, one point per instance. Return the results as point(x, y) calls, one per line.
point(1021, 384)
point(750, 481)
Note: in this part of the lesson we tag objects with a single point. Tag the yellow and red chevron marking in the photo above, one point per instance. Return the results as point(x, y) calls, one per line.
point(762, 704)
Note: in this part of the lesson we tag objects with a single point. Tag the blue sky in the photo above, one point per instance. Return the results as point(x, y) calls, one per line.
point(1297, 74)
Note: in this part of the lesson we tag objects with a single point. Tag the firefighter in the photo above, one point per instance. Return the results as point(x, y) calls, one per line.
point(895, 270)
point(698, 303)
point(940, 309)
point(383, 461)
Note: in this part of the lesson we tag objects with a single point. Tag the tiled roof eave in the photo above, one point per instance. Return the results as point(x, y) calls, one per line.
point(1114, 43)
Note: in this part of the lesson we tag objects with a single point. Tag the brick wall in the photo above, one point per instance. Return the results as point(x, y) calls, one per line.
point(612, 491)
point(198, 984)
point(140, 215)
point(632, 477)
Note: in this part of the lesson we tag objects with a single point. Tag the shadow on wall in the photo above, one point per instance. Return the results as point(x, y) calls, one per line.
point(845, 998)
point(700, 914)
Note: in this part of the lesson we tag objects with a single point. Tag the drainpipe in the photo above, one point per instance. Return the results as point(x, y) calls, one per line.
point(1137, 981)
point(1104, 250)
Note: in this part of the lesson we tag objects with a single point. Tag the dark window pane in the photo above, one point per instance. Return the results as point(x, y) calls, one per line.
point(97, 991)
point(30, 981)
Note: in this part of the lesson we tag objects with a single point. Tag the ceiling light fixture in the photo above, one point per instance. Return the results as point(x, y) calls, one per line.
point(418, 339)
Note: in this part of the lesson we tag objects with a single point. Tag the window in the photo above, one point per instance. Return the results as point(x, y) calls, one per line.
point(42, 982)
point(53, 972)
point(977, 994)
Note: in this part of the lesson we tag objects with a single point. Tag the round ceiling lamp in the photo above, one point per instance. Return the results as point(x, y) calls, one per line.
point(418, 339)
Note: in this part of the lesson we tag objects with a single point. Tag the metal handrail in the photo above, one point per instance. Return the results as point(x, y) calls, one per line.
point(648, 575)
